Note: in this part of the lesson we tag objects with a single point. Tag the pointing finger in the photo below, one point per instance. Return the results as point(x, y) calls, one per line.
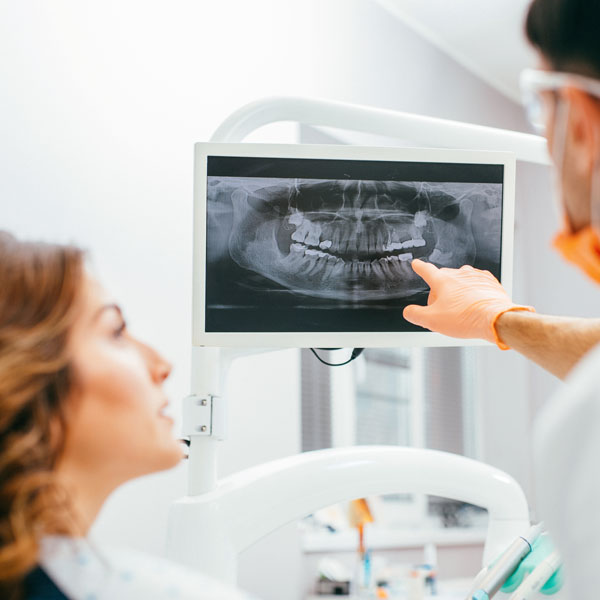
point(428, 271)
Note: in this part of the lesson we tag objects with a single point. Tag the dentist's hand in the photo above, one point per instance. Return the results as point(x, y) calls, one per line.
point(541, 549)
point(462, 303)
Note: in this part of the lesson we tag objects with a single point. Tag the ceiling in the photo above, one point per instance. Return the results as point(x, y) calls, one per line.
point(485, 36)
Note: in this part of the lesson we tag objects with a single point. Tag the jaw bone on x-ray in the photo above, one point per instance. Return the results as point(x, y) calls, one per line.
point(348, 240)
point(346, 244)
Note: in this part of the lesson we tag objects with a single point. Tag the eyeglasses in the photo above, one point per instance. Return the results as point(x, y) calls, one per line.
point(535, 81)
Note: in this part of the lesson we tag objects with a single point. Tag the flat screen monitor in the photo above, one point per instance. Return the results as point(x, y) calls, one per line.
point(311, 245)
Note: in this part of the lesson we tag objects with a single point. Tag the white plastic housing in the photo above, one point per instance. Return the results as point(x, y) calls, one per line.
point(208, 532)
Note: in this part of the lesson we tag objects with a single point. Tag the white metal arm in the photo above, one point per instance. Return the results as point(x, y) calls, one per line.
point(424, 131)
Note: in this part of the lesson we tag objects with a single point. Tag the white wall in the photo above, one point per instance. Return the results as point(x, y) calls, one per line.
point(101, 103)
point(100, 106)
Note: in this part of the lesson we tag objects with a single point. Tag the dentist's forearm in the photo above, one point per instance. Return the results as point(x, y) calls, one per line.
point(469, 303)
point(554, 343)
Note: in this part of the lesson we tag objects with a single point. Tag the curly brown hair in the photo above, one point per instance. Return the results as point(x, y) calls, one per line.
point(39, 287)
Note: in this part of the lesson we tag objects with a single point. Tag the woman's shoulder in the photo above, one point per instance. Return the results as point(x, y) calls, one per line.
point(38, 586)
point(85, 569)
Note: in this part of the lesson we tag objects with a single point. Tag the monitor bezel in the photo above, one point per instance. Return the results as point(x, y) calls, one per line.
point(202, 150)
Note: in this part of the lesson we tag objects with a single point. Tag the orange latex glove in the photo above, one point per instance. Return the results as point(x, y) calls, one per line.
point(462, 303)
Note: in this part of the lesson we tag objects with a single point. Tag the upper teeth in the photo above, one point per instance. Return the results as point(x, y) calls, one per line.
point(326, 244)
point(347, 238)
point(415, 243)
point(296, 219)
point(420, 219)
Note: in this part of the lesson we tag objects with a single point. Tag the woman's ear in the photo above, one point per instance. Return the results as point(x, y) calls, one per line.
point(584, 129)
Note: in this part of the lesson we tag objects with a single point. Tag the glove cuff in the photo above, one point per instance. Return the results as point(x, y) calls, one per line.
point(495, 335)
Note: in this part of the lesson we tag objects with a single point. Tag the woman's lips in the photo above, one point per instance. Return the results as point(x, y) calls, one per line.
point(162, 414)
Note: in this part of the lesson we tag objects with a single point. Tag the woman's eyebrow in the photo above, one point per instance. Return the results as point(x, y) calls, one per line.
point(106, 307)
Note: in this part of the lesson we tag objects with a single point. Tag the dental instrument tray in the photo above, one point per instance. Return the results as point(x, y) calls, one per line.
point(311, 245)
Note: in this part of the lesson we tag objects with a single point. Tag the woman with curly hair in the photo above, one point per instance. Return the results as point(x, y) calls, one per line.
point(81, 412)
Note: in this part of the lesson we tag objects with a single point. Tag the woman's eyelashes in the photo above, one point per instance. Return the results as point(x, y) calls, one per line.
point(120, 330)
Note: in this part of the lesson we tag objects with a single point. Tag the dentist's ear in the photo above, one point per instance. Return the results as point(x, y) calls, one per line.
point(584, 126)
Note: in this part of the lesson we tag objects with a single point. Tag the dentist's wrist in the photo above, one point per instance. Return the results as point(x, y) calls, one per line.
point(503, 321)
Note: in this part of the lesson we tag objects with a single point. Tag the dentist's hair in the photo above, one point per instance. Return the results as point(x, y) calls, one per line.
point(566, 33)
point(39, 287)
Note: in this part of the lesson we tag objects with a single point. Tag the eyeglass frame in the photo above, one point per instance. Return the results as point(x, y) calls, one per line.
point(534, 81)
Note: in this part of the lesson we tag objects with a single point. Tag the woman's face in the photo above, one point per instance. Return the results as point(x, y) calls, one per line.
point(115, 422)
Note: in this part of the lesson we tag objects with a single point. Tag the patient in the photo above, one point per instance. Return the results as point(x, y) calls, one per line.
point(81, 412)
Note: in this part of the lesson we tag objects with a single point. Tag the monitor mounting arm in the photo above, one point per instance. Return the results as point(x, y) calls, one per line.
point(421, 130)
point(200, 528)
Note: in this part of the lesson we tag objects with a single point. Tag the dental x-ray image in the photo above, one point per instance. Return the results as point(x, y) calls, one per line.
point(320, 254)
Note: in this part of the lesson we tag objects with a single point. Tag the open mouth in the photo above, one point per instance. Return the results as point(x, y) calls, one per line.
point(163, 414)
point(349, 240)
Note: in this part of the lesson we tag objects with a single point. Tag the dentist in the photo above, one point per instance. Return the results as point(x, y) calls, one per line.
point(563, 97)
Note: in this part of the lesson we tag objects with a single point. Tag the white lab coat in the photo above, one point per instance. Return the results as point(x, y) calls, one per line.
point(567, 475)
point(85, 571)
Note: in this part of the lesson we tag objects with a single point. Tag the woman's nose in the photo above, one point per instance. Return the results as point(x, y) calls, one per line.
point(160, 368)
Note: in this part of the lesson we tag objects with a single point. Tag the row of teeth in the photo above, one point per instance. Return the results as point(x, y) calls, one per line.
point(416, 243)
point(390, 247)
point(406, 256)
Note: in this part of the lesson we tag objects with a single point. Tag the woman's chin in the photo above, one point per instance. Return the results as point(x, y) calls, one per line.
point(174, 454)
point(166, 454)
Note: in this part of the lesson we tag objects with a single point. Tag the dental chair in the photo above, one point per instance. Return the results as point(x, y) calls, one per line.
point(208, 531)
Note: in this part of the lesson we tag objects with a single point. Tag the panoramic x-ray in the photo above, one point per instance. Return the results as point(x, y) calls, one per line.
point(283, 253)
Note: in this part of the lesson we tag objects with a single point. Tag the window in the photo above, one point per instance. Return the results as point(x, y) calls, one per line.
point(421, 397)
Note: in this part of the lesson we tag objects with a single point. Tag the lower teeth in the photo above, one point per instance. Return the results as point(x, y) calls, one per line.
point(404, 257)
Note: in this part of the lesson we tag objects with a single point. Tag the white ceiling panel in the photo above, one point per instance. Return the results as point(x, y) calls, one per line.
point(485, 36)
